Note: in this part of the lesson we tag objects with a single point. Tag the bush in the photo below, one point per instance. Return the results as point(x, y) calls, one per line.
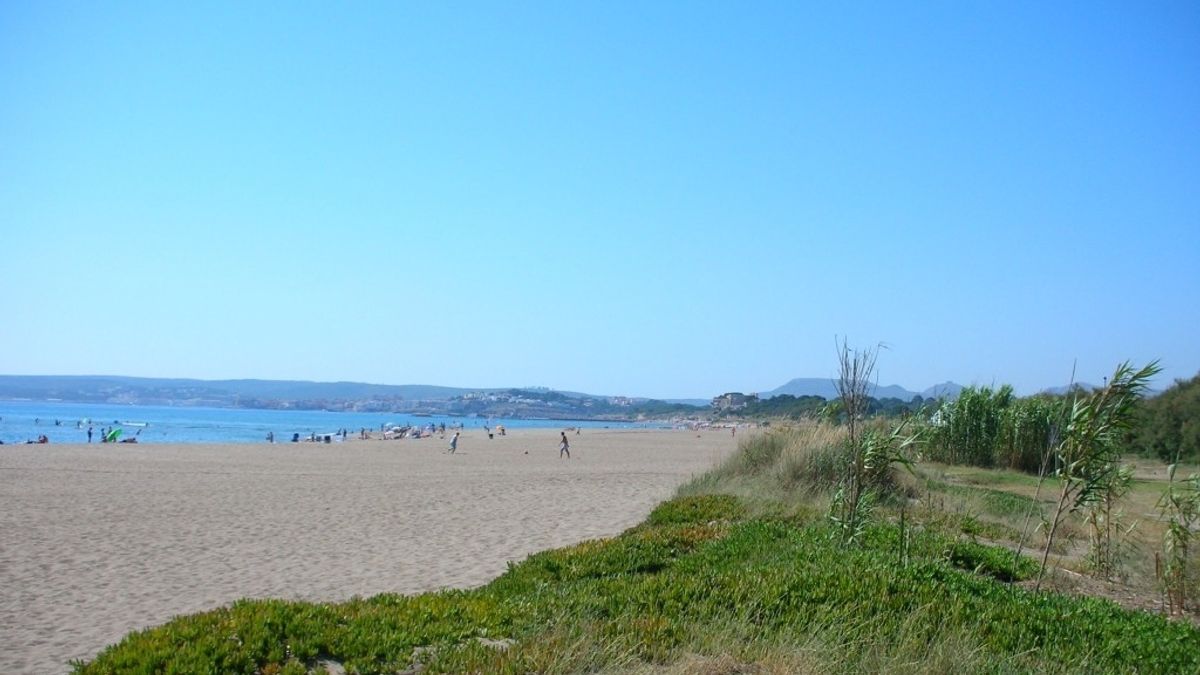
point(994, 562)
point(1168, 425)
point(696, 510)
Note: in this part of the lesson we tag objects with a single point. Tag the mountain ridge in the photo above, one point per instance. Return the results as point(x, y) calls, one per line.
point(827, 389)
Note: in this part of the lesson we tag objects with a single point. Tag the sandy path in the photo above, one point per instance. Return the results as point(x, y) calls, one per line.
point(96, 541)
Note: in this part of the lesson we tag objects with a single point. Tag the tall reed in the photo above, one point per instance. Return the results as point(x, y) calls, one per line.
point(1090, 445)
point(990, 428)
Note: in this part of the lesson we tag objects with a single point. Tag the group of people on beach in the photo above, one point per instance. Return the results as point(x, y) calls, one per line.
point(106, 433)
point(564, 446)
point(112, 434)
point(394, 432)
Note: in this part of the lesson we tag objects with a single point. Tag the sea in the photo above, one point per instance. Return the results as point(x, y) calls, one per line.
point(62, 422)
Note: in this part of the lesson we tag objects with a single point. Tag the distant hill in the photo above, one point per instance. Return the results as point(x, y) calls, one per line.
point(1067, 388)
point(538, 402)
point(359, 395)
point(947, 390)
point(825, 388)
point(804, 386)
point(91, 388)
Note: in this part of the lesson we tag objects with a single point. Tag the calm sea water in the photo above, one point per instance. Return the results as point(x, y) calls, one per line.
point(22, 421)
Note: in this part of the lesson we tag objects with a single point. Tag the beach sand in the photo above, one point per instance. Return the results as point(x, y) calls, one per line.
point(100, 540)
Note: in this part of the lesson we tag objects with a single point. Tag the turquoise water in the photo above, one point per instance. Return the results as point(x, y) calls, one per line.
point(22, 421)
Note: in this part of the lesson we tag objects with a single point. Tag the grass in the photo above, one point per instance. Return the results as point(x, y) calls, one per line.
point(998, 503)
point(711, 582)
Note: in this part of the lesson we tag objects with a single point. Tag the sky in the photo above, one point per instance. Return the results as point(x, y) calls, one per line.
point(664, 199)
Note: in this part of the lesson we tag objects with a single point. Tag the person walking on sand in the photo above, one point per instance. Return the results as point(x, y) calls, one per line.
point(453, 443)
point(564, 447)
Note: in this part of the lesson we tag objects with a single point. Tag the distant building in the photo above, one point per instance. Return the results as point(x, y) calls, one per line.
point(733, 401)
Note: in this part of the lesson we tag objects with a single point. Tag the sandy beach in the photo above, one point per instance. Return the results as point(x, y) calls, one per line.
point(97, 541)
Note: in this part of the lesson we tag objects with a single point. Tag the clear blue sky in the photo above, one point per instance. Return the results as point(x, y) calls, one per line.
point(654, 199)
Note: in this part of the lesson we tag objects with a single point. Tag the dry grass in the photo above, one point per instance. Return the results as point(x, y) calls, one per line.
point(824, 649)
point(724, 664)
point(1135, 586)
point(788, 469)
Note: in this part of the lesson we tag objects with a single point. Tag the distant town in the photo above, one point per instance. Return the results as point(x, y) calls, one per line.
point(799, 397)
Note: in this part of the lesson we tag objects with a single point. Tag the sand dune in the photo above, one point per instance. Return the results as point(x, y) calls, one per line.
point(96, 541)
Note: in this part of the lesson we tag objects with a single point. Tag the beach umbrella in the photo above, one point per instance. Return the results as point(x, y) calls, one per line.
point(113, 436)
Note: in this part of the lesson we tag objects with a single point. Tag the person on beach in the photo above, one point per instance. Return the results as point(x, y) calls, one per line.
point(270, 436)
point(564, 447)
point(89, 434)
point(453, 443)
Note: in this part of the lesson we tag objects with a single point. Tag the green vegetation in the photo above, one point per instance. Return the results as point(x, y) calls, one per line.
point(784, 471)
point(985, 427)
point(1087, 457)
point(796, 408)
point(741, 573)
point(1169, 424)
point(870, 453)
point(1081, 441)
point(784, 406)
point(1180, 507)
point(990, 428)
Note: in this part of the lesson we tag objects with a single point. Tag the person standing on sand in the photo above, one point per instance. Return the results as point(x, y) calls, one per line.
point(564, 447)
point(453, 443)
point(89, 434)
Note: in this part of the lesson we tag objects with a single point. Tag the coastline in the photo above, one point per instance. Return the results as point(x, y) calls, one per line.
point(98, 541)
point(66, 422)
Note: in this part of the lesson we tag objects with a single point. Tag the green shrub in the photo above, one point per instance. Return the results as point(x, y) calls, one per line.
point(991, 561)
point(1168, 425)
point(697, 509)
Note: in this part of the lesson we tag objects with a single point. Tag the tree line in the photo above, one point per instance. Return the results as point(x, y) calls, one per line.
point(996, 428)
point(786, 406)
